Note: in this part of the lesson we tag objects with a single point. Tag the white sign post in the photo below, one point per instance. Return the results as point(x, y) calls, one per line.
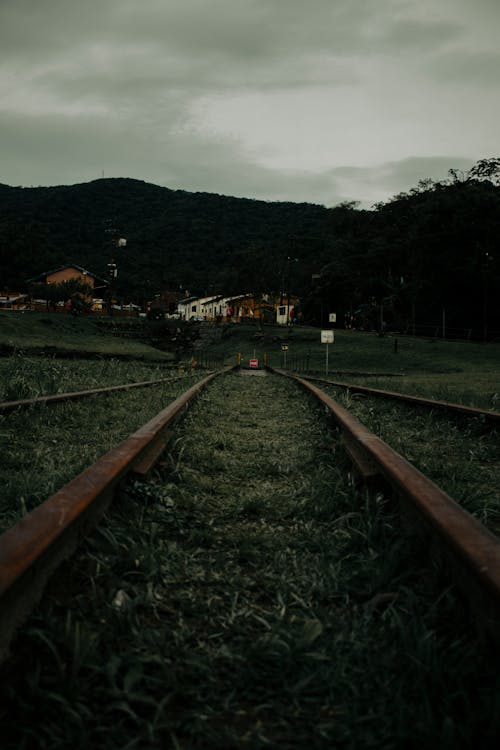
point(284, 349)
point(327, 338)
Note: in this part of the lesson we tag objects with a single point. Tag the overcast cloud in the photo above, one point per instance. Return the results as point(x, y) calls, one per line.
point(323, 101)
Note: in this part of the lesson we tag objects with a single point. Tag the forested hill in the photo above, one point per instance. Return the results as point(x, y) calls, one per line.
point(198, 241)
point(423, 257)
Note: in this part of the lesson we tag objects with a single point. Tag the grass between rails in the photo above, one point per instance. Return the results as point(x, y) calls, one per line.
point(42, 447)
point(250, 598)
point(458, 453)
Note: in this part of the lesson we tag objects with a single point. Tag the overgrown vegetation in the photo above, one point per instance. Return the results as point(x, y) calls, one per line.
point(42, 448)
point(24, 377)
point(455, 371)
point(480, 388)
point(460, 454)
point(250, 597)
point(65, 335)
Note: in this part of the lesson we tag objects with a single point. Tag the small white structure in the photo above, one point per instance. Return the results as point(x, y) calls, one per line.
point(283, 314)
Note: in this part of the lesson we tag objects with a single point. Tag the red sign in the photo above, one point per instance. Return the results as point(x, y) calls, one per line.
point(254, 362)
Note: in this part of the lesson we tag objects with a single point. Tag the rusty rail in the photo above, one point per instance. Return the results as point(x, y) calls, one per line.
point(56, 398)
point(472, 552)
point(31, 550)
point(469, 411)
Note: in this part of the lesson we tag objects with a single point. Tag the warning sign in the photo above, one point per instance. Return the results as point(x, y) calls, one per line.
point(254, 363)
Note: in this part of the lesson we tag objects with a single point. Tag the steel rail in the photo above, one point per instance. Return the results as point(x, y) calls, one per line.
point(469, 411)
point(473, 552)
point(56, 398)
point(31, 550)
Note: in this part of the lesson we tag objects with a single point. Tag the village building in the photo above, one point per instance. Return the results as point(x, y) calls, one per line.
point(189, 307)
point(70, 272)
point(78, 300)
point(237, 308)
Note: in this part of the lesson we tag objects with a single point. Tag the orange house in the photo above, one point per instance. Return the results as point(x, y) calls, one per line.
point(68, 273)
point(65, 273)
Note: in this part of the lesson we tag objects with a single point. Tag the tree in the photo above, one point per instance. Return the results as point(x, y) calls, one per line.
point(486, 169)
point(74, 291)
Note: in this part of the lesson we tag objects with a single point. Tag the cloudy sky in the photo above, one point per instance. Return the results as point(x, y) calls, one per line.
point(303, 100)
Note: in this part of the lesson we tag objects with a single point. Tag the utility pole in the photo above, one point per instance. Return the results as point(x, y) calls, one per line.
point(485, 269)
point(112, 268)
point(289, 283)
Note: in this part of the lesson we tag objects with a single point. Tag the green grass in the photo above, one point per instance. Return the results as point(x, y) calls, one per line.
point(26, 377)
point(42, 448)
point(459, 454)
point(250, 597)
point(61, 333)
point(464, 372)
point(472, 387)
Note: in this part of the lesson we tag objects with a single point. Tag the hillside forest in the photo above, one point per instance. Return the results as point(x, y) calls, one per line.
point(425, 259)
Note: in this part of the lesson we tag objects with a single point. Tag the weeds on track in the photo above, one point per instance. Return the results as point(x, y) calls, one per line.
point(250, 597)
point(23, 377)
point(479, 389)
point(43, 447)
point(457, 453)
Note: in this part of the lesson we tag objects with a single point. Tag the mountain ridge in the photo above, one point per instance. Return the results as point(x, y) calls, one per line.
point(177, 237)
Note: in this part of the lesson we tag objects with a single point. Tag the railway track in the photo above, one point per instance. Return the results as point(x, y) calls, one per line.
point(44, 444)
point(7, 407)
point(487, 415)
point(455, 445)
point(34, 548)
point(473, 552)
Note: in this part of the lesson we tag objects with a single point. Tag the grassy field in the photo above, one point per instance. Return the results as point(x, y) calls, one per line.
point(250, 597)
point(61, 333)
point(456, 371)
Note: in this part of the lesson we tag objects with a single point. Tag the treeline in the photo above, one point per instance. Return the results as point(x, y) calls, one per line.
point(425, 257)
